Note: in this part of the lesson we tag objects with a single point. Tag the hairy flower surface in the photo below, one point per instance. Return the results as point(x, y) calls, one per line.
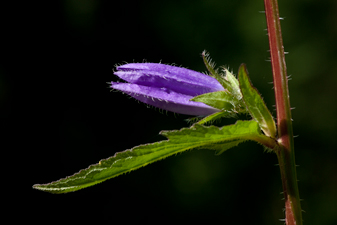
point(167, 87)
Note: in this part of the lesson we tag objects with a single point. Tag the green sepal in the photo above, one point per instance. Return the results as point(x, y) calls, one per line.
point(227, 79)
point(234, 83)
point(222, 100)
point(213, 72)
point(218, 115)
point(195, 137)
point(255, 104)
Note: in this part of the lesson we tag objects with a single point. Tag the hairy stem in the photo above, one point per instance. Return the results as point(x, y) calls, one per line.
point(285, 153)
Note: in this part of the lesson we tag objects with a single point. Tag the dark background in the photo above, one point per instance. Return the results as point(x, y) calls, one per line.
point(59, 115)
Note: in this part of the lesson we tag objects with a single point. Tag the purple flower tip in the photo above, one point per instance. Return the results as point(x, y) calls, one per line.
point(167, 87)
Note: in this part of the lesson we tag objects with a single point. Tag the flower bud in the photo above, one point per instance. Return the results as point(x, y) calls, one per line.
point(167, 87)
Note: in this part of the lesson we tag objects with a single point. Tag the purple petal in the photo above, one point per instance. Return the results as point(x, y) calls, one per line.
point(172, 76)
point(161, 80)
point(165, 99)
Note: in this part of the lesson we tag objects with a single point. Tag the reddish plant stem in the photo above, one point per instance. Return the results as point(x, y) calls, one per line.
point(285, 153)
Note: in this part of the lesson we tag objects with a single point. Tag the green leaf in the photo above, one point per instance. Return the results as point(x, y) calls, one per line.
point(222, 100)
point(255, 104)
point(221, 148)
point(197, 136)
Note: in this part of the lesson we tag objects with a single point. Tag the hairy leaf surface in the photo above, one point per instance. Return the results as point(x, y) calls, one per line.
point(196, 137)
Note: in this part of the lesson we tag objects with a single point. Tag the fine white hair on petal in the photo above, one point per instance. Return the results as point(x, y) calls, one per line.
point(177, 73)
point(171, 101)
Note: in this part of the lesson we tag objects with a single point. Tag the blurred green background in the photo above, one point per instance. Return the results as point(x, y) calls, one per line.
point(55, 101)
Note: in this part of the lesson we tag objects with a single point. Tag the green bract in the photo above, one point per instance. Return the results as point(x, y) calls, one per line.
point(255, 104)
point(222, 100)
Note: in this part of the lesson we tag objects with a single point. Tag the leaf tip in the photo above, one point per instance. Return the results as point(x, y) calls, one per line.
point(41, 187)
point(243, 69)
